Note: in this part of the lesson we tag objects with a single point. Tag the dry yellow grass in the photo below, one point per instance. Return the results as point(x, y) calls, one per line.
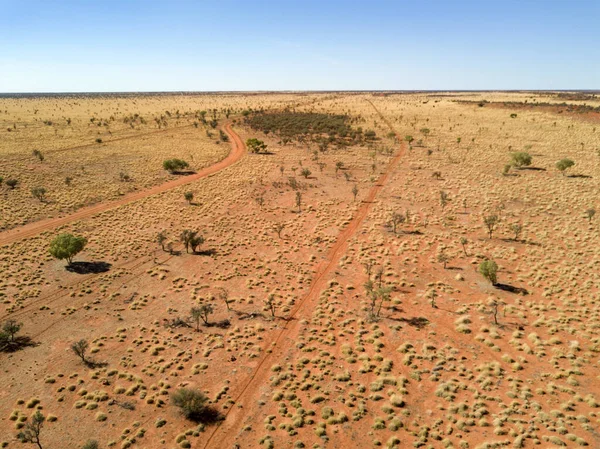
point(421, 376)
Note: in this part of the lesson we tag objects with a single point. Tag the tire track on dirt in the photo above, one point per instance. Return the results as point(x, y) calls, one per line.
point(225, 431)
point(32, 229)
point(131, 265)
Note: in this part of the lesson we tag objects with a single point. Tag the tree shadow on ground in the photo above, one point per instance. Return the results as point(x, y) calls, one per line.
point(206, 252)
point(94, 364)
point(17, 344)
point(223, 324)
point(88, 267)
point(579, 176)
point(511, 289)
point(418, 321)
point(183, 172)
point(208, 415)
point(533, 168)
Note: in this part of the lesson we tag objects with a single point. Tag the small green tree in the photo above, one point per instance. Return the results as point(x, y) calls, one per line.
point(189, 197)
point(186, 238)
point(80, 349)
point(396, 219)
point(38, 154)
point(463, 242)
point(161, 238)
point(516, 229)
point(521, 159)
point(66, 246)
point(256, 146)
point(10, 329)
point(443, 258)
point(278, 227)
point(590, 214)
point(564, 164)
point(32, 430)
point(195, 242)
point(489, 270)
point(174, 165)
point(12, 183)
point(192, 403)
point(305, 172)
point(270, 304)
point(39, 193)
point(491, 221)
point(355, 191)
point(444, 198)
point(298, 200)
point(224, 296)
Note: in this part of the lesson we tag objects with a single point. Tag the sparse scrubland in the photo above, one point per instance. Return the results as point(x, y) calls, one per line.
point(372, 276)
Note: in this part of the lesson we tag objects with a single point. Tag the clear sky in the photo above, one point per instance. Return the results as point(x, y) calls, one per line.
point(177, 45)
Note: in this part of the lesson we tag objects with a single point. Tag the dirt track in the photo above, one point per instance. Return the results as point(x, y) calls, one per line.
point(246, 397)
point(32, 229)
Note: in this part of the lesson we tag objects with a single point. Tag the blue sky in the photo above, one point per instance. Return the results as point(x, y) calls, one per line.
point(120, 45)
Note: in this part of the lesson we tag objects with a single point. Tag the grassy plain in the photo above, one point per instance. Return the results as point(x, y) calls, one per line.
point(450, 361)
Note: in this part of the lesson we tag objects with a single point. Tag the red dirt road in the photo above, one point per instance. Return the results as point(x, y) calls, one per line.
point(246, 398)
point(29, 230)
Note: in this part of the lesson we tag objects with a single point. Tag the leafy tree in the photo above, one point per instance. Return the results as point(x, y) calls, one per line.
point(201, 313)
point(10, 329)
point(196, 242)
point(270, 304)
point(564, 164)
point(444, 198)
point(256, 146)
point(339, 165)
point(191, 239)
point(491, 221)
point(298, 200)
point(38, 154)
point(32, 430)
point(409, 139)
point(590, 214)
point(90, 444)
point(278, 227)
point(12, 183)
point(443, 258)
point(355, 191)
point(396, 219)
point(80, 348)
point(161, 238)
point(66, 246)
point(174, 165)
point(192, 403)
point(521, 159)
point(224, 296)
point(432, 295)
point(189, 196)
point(305, 172)
point(39, 193)
point(489, 270)
point(516, 228)
point(463, 242)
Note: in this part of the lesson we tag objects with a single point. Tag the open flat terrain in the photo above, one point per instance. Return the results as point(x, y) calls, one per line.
point(341, 270)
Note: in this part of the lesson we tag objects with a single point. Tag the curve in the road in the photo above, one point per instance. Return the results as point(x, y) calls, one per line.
point(35, 228)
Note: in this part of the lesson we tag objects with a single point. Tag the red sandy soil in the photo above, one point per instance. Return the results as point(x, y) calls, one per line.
point(37, 227)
